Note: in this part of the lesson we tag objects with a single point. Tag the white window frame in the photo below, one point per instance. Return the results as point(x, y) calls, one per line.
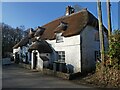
point(61, 56)
point(59, 37)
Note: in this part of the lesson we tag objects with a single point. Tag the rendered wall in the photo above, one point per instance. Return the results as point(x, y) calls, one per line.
point(71, 46)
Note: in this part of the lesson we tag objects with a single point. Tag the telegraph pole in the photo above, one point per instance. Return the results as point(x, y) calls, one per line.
point(101, 33)
point(109, 21)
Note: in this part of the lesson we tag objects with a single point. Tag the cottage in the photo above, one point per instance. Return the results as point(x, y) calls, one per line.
point(69, 44)
point(20, 50)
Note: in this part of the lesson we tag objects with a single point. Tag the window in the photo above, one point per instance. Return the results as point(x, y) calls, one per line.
point(63, 25)
point(59, 38)
point(61, 56)
point(97, 55)
point(97, 36)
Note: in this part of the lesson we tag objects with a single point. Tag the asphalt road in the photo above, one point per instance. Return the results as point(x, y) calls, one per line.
point(17, 77)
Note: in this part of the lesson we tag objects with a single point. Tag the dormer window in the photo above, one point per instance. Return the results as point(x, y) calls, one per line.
point(59, 37)
point(39, 31)
point(61, 27)
point(31, 33)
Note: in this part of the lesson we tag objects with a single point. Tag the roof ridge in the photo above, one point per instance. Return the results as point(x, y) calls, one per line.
point(62, 17)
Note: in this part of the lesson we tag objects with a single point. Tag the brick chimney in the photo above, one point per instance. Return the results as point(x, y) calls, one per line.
point(69, 10)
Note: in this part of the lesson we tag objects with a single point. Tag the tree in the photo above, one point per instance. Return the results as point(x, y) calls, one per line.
point(10, 37)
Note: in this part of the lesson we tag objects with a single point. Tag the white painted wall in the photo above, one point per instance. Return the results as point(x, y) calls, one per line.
point(32, 59)
point(23, 51)
point(89, 46)
point(45, 62)
point(29, 57)
point(39, 61)
point(19, 51)
point(71, 46)
point(15, 50)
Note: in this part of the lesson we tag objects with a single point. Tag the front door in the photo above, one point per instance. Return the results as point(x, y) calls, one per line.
point(26, 58)
point(16, 57)
point(34, 60)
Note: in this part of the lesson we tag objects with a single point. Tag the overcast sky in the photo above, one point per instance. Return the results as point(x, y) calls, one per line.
point(33, 14)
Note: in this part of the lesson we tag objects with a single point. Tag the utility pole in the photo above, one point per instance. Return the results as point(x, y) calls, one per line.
point(101, 33)
point(109, 21)
point(109, 24)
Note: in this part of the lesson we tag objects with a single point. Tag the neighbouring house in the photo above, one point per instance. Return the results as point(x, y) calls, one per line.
point(68, 44)
point(20, 50)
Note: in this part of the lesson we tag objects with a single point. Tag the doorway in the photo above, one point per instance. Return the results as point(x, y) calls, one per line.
point(16, 57)
point(26, 58)
point(34, 60)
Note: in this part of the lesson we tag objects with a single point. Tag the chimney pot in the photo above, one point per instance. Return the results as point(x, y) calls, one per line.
point(69, 10)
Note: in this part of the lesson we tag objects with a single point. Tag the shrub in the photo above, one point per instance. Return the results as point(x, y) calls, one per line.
point(114, 49)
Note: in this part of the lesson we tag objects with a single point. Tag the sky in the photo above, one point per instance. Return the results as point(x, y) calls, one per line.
point(33, 14)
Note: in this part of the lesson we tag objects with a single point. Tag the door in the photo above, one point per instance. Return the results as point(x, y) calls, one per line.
point(26, 58)
point(34, 60)
point(16, 57)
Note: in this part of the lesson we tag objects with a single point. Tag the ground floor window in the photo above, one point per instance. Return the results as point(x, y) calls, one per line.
point(61, 56)
point(97, 56)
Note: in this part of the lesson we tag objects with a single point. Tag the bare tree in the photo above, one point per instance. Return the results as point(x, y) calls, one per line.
point(10, 37)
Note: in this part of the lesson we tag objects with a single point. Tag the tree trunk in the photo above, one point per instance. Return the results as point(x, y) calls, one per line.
point(101, 34)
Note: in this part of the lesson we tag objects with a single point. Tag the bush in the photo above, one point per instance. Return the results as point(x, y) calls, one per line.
point(114, 49)
point(109, 76)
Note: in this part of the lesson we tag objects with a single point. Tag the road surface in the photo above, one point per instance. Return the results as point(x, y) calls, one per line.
point(17, 77)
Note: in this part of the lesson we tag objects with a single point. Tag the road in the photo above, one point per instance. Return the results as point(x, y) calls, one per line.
point(17, 77)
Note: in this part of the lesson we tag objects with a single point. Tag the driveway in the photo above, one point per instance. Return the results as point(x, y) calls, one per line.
point(17, 77)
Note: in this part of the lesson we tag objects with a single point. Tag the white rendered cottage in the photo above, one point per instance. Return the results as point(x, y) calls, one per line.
point(72, 40)
point(20, 50)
